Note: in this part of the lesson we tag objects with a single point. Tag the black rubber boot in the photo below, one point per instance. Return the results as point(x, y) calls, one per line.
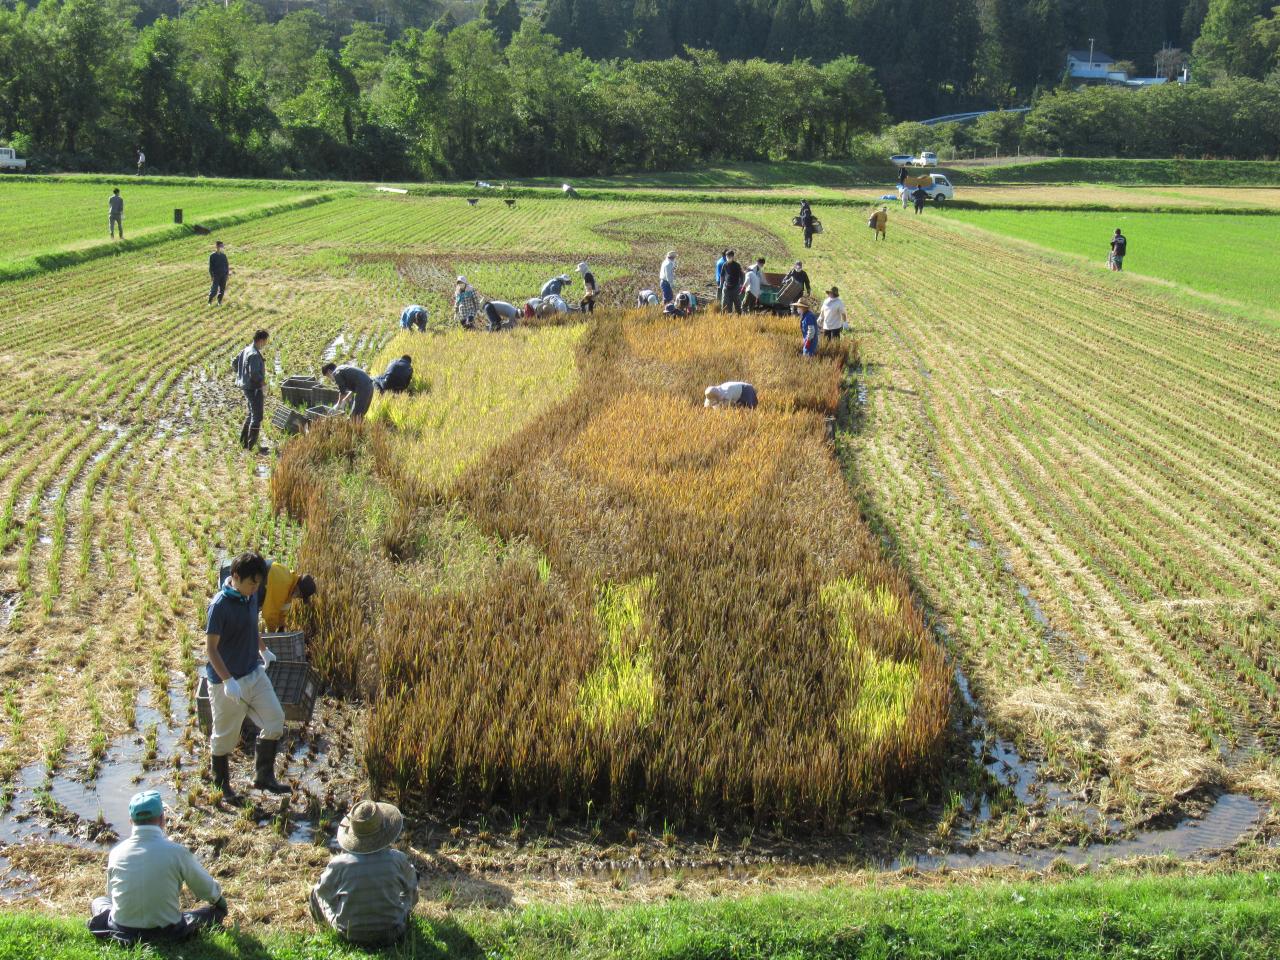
point(222, 779)
point(266, 767)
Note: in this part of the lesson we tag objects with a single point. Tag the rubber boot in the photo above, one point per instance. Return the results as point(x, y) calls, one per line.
point(266, 768)
point(222, 779)
point(251, 443)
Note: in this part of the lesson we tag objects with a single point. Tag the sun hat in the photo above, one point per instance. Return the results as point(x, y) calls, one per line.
point(582, 267)
point(147, 805)
point(306, 587)
point(566, 278)
point(671, 254)
point(833, 292)
point(461, 279)
point(370, 827)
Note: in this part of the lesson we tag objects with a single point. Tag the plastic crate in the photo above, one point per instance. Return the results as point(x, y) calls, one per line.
point(296, 391)
point(287, 644)
point(296, 685)
point(323, 396)
point(288, 420)
point(319, 413)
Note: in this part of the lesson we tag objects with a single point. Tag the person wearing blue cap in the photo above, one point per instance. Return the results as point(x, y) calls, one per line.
point(238, 683)
point(145, 876)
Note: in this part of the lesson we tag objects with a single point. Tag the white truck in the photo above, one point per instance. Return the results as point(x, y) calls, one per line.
point(9, 160)
point(936, 185)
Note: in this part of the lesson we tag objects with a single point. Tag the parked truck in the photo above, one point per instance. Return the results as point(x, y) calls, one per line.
point(10, 161)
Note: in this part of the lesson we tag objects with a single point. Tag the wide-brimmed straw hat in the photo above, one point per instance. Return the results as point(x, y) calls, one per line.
point(833, 292)
point(370, 827)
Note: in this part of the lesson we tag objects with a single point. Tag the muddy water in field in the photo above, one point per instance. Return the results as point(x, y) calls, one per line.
point(70, 809)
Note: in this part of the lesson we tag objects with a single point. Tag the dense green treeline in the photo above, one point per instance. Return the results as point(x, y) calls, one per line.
point(225, 90)
point(390, 89)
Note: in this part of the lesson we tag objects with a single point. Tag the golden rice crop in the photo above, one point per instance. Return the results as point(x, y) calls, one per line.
point(699, 619)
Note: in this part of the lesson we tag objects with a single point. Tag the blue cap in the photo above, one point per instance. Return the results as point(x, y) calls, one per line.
point(147, 805)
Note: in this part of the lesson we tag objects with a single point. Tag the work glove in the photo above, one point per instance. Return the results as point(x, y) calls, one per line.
point(221, 907)
point(232, 689)
point(268, 658)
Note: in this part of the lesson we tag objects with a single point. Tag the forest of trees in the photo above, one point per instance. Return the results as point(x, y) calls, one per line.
point(420, 88)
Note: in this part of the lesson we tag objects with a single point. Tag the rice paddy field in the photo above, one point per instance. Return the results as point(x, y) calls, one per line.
point(602, 643)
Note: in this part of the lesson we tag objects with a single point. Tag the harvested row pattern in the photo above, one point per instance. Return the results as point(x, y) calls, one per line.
point(1104, 451)
point(662, 617)
point(120, 481)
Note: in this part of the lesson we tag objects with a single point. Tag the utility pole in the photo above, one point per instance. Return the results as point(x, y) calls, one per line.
point(1091, 53)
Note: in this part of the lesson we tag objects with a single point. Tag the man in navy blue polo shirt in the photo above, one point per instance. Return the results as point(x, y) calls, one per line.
point(238, 683)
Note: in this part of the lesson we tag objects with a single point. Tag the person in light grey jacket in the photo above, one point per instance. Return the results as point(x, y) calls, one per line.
point(251, 371)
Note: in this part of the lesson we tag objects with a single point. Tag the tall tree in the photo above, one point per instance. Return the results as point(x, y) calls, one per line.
point(1228, 41)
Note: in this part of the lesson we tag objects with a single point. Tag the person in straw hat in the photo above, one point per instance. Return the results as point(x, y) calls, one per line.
point(367, 892)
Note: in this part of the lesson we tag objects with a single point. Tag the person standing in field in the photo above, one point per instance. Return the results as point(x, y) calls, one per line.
point(667, 277)
point(806, 223)
point(219, 271)
point(465, 306)
point(724, 256)
point(589, 288)
point(752, 285)
point(115, 213)
point(1119, 243)
point(251, 374)
point(808, 333)
point(142, 161)
point(919, 195)
point(833, 314)
point(880, 221)
point(353, 385)
point(731, 279)
point(237, 678)
point(145, 876)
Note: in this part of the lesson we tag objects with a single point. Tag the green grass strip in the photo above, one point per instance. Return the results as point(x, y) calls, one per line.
point(1224, 916)
point(1069, 170)
point(61, 259)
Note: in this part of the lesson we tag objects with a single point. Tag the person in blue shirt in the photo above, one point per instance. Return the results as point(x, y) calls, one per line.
point(724, 257)
point(414, 315)
point(237, 678)
point(809, 333)
point(555, 286)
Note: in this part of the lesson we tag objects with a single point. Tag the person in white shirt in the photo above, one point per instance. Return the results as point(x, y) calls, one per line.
point(832, 315)
point(733, 393)
point(667, 277)
point(145, 875)
point(647, 298)
point(752, 284)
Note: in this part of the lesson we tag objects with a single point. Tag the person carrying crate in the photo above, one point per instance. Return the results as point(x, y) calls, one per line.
point(237, 678)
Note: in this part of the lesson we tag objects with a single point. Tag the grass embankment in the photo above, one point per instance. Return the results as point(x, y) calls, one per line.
point(1111, 170)
point(52, 226)
point(1230, 257)
point(1225, 916)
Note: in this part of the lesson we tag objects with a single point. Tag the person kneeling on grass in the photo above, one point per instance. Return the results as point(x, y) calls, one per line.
point(145, 875)
point(734, 393)
point(367, 892)
point(398, 376)
point(237, 677)
point(353, 385)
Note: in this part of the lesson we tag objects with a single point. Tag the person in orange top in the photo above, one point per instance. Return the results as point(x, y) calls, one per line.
point(283, 586)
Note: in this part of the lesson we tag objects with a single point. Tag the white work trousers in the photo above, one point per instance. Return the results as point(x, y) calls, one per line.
point(258, 702)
